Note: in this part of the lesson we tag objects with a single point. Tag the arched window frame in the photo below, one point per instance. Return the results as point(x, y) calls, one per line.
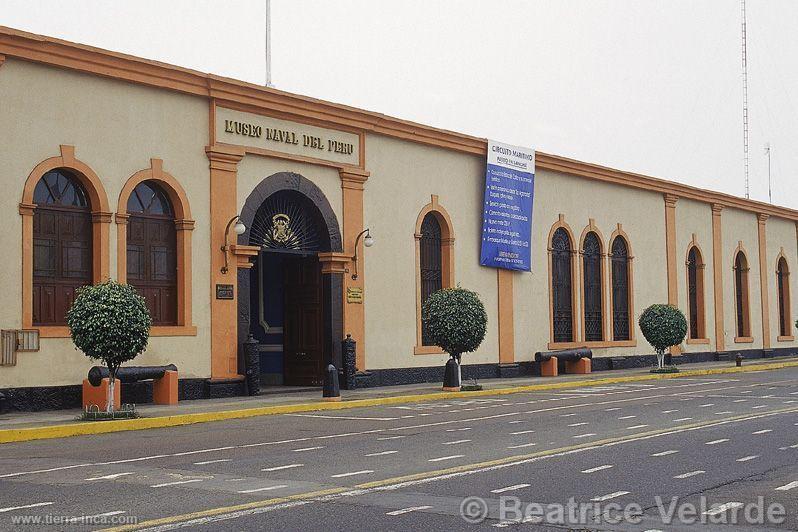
point(184, 226)
point(700, 293)
point(561, 224)
point(591, 228)
point(620, 233)
point(101, 220)
point(744, 336)
point(447, 264)
point(785, 316)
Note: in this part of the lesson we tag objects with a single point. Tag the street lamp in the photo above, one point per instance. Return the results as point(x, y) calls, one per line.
point(368, 241)
point(239, 229)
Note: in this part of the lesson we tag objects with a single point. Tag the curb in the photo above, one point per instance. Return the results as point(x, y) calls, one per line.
point(84, 429)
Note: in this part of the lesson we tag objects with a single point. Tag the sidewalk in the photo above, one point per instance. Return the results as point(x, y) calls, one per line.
point(204, 410)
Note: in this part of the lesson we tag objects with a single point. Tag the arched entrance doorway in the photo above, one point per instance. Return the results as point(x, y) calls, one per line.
point(285, 302)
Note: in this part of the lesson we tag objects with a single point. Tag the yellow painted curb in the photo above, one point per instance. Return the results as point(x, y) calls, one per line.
point(89, 428)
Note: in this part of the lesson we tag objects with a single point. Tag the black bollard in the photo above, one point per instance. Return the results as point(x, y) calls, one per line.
point(451, 376)
point(252, 365)
point(331, 392)
point(739, 360)
point(348, 350)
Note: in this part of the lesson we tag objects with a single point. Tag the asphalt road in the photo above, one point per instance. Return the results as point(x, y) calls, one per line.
point(707, 450)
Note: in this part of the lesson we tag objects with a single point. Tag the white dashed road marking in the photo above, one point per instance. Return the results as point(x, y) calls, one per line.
point(599, 468)
point(442, 458)
point(665, 453)
point(408, 510)
point(267, 488)
point(715, 442)
point(578, 424)
point(213, 461)
point(352, 473)
point(723, 508)
point(627, 417)
point(302, 450)
point(108, 477)
point(176, 483)
point(633, 427)
point(281, 467)
point(747, 458)
point(682, 419)
point(521, 432)
point(455, 442)
point(585, 435)
point(521, 446)
point(35, 505)
point(510, 488)
point(609, 496)
point(763, 431)
point(383, 453)
point(789, 486)
point(690, 474)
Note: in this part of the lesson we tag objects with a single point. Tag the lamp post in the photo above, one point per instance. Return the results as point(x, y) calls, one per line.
point(239, 230)
point(368, 241)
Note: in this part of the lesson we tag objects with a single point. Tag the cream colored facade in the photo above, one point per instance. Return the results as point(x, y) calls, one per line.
point(119, 113)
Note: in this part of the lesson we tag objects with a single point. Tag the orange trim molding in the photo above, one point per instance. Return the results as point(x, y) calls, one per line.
point(506, 317)
point(101, 220)
point(447, 262)
point(764, 295)
point(619, 232)
point(670, 255)
point(745, 334)
point(184, 226)
point(699, 291)
point(717, 276)
point(561, 223)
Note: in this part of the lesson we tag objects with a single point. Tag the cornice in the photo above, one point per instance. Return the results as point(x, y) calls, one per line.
point(64, 54)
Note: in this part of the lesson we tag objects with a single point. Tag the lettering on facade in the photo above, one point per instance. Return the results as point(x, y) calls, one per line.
point(354, 294)
point(286, 136)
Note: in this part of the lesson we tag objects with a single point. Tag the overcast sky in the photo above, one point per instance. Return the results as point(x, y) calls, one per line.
point(651, 86)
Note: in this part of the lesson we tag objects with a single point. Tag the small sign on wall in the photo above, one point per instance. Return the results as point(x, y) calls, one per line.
point(354, 294)
point(224, 291)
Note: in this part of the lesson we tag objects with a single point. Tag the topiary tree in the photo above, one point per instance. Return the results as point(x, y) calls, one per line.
point(663, 326)
point(109, 322)
point(455, 320)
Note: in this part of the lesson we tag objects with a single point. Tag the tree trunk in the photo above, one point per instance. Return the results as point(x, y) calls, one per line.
point(109, 406)
point(660, 359)
point(459, 372)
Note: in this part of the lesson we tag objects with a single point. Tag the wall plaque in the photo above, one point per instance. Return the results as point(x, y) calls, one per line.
point(294, 138)
point(354, 294)
point(224, 291)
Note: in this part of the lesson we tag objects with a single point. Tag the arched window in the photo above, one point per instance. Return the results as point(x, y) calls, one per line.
point(695, 293)
point(562, 286)
point(430, 263)
point(592, 288)
point(152, 251)
point(62, 245)
point(621, 307)
point(783, 289)
point(741, 295)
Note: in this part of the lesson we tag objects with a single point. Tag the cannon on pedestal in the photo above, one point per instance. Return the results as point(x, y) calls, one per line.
point(576, 361)
point(164, 386)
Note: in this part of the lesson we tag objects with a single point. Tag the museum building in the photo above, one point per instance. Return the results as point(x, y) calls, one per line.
point(238, 210)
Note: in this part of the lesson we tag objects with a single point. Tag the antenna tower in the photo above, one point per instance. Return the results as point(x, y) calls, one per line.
point(745, 105)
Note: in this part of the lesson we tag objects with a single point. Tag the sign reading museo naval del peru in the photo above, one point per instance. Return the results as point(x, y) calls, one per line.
point(507, 209)
point(294, 138)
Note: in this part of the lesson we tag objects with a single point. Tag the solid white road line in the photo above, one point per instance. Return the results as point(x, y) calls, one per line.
point(746, 458)
point(682, 419)
point(740, 401)
point(176, 483)
point(353, 473)
point(451, 430)
point(302, 450)
point(763, 431)
point(358, 418)
point(516, 421)
point(455, 442)
point(521, 446)
point(599, 468)
point(268, 488)
point(408, 510)
point(510, 488)
point(521, 432)
point(690, 474)
point(725, 412)
point(280, 468)
point(706, 405)
point(446, 458)
point(665, 453)
point(758, 406)
point(723, 508)
point(578, 424)
point(383, 453)
point(585, 435)
point(611, 409)
point(715, 442)
point(35, 505)
point(636, 427)
point(789, 486)
point(567, 415)
point(213, 461)
point(107, 477)
point(389, 438)
point(609, 496)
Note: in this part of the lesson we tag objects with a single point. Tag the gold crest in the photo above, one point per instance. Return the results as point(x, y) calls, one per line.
point(281, 231)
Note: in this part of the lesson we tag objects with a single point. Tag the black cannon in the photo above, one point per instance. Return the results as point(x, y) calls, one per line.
point(130, 373)
point(566, 355)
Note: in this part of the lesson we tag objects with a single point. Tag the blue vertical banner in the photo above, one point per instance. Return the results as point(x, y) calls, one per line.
point(507, 209)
